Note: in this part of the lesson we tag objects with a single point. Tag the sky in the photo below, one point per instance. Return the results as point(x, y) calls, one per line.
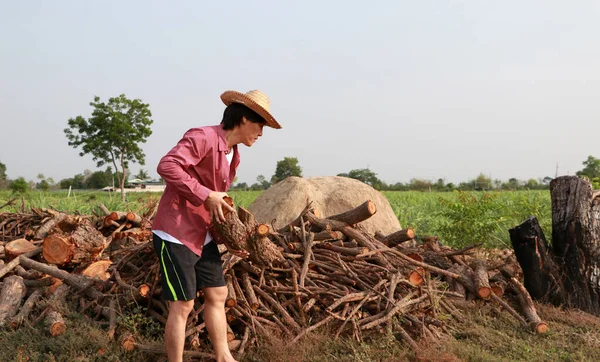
point(408, 89)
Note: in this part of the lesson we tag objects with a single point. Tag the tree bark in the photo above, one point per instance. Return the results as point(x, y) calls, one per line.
point(13, 291)
point(576, 240)
point(541, 276)
point(399, 237)
point(356, 215)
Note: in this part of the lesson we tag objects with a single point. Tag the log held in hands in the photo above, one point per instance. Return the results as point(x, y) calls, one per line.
point(251, 237)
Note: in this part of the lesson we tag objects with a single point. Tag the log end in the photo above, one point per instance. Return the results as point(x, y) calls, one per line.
point(415, 256)
point(371, 208)
point(98, 270)
point(231, 302)
point(262, 230)
point(484, 292)
point(540, 328)
point(57, 249)
point(498, 290)
point(416, 277)
point(144, 290)
point(57, 329)
point(127, 341)
point(17, 247)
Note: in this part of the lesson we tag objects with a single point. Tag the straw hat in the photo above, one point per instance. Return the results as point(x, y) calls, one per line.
point(255, 100)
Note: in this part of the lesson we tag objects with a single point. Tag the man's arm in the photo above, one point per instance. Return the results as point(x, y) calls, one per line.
point(189, 151)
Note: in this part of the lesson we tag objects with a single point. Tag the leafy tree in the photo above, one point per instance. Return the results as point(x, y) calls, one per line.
point(591, 169)
point(482, 182)
point(420, 185)
point(142, 175)
point(286, 168)
point(262, 181)
point(113, 133)
point(2, 175)
point(98, 180)
point(44, 185)
point(546, 180)
point(19, 185)
point(532, 184)
point(45, 182)
point(364, 174)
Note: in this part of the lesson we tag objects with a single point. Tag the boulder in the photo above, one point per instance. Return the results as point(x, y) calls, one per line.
point(283, 202)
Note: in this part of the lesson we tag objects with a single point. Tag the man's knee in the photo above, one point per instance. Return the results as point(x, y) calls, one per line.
point(216, 295)
point(181, 307)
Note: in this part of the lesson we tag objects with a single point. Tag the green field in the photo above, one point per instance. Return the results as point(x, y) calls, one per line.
point(458, 218)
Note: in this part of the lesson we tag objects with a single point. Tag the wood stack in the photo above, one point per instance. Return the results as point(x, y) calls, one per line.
point(314, 272)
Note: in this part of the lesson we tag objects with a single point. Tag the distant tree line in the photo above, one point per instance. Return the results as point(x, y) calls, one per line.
point(289, 166)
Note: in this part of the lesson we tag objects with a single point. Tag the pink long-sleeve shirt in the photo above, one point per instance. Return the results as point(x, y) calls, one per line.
point(196, 166)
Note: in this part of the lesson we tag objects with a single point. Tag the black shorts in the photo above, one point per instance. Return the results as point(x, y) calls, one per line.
point(184, 273)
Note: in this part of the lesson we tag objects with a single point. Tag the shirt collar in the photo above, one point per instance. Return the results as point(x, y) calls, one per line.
point(222, 140)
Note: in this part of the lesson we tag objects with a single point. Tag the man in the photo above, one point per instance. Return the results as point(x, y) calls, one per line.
point(198, 171)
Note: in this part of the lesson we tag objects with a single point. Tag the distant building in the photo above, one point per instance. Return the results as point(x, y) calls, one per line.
point(137, 185)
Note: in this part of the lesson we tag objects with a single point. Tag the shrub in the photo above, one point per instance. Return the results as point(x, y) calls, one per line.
point(19, 185)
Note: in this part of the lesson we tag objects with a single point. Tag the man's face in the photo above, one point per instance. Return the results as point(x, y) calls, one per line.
point(250, 131)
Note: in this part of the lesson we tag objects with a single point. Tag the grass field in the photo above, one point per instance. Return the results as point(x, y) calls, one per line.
point(485, 334)
point(458, 218)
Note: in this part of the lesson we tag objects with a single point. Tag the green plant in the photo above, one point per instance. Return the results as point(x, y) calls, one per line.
point(19, 186)
point(135, 319)
point(471, 218)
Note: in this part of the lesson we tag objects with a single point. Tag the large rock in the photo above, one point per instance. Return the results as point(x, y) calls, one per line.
point(283, 202)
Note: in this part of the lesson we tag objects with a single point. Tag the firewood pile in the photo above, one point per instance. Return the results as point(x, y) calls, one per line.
point(314, 272)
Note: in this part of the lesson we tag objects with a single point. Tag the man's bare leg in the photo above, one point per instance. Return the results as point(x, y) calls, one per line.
point(175, 328)
point(216, 323)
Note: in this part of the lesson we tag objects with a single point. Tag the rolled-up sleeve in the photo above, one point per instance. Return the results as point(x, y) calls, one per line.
point(189, 151)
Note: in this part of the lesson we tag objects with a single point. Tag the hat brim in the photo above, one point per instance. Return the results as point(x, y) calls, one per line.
point(230, 97)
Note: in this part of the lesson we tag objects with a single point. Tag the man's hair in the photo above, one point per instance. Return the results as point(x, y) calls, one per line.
point(232, 116)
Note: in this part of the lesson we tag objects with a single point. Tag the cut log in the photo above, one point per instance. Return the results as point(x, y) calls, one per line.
point(13, 292)
point(356, 215)
point(98, 270)
point(231, 300)
point(576, 240)
point(249, 291)
point(399, 237)
point(232, 231)
point(49, 225)
point(528, 308)
point(540, 273)
point(416, 276)
point(327, 235)
point(17, 247)
point(76, 243)
point(23, 314)
point(77, 281)
point(127, 341)
point(134, 218)
point(55, 323)
point(481, 280)
point(251, 237)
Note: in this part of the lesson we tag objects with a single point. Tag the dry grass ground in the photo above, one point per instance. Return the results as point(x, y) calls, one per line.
point(485, 335)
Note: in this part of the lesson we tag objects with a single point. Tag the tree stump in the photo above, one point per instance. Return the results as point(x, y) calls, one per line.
point(576, 240)
point(540, 273)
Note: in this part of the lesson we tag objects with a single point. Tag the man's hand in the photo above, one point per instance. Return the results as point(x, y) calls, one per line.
point(215, 205)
